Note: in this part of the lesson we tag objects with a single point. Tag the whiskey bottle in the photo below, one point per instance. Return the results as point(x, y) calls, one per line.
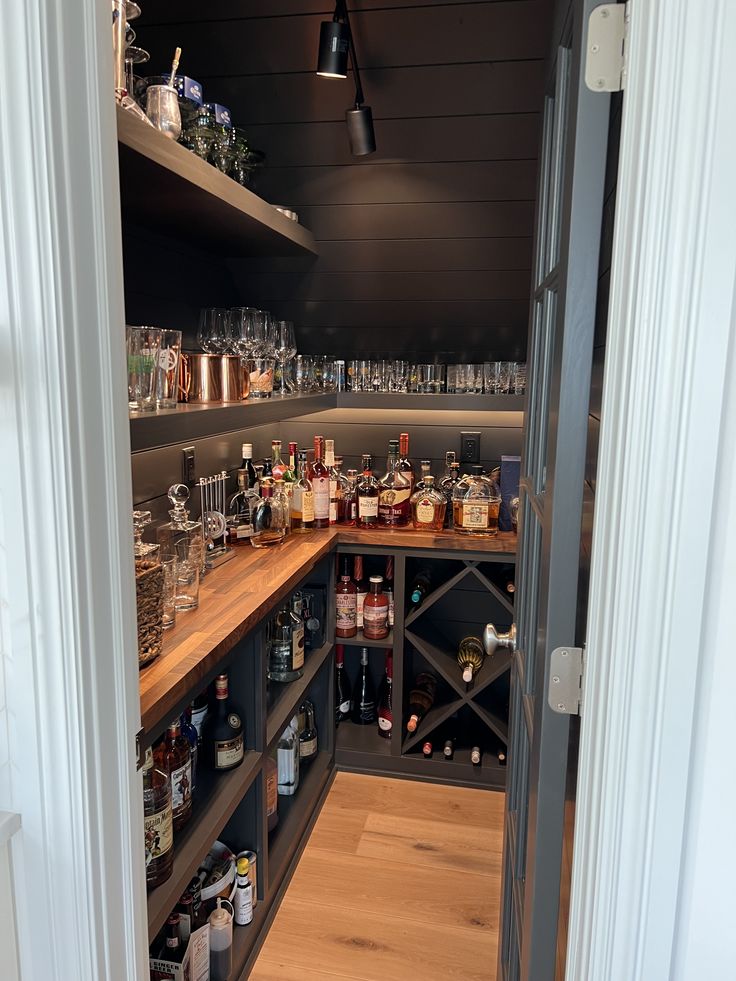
point(343, 702)
point(362, 590)
point(346, 604)
point(269, 516)
point(286, 650)
point(475, 504)
point(367, 494)
point(157, 823)
point(308, 735)
point(222, 733)
point(175, 758)
point(385, 709)
point(394, 509)
point(405, 465)
point(302, 499)
point(375, 611)
point(425, 467)
point(364, 693)
point(421, 698)
point(320, 477)
point(428, 507)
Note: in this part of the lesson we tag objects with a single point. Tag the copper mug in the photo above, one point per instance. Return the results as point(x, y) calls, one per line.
point(212, 378)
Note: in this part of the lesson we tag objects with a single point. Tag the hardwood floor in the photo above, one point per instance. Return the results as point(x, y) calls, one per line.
point(400, 880)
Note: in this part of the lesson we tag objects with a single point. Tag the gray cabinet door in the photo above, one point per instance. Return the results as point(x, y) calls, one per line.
point(562, 320)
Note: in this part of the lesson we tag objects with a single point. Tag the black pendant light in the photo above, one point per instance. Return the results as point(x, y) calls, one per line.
point(335, 41)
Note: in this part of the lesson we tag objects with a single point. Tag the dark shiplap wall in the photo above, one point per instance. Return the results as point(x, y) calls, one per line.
point(426, 245)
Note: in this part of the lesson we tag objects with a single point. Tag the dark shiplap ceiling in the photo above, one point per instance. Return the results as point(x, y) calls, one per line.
point(425, 245)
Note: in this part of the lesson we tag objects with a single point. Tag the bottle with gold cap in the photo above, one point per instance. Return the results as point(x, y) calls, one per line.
point(243, 900)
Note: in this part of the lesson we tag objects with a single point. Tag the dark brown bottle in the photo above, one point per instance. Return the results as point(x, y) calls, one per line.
point(176, 760)
point(343, 701)
point(421, 698)
point(385, 708)
point(362, 587)
point(222, 733)
point(405, 465)
point(367, 494)
point(364, 695)
point(174, 949)
point(157, 823)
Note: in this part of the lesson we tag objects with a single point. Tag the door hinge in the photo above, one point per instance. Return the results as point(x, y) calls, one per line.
point(605, 53)
point(139, 751)
point(565, 694)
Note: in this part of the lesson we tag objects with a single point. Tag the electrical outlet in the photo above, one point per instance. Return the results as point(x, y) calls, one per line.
point(469, 447)
point(188, 465)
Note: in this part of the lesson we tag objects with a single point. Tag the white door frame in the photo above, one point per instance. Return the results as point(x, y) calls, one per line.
point(644, 829)
point(67, 604)
point(653, 864)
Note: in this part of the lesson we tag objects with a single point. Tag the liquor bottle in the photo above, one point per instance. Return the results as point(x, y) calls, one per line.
point(222, 733)
point(267, 467)
point(286, 645)
point(351, 498)
point(447, 483)
point(240, 511)
point(278, 467)
point(364, 694)
point(425, 467)
point(405, 465)
point(183, 539)
point(174, 949)
point(190, 732)
point(421, 698)
point(291, 472)
point(336, 484)
point(247, 464)
point(449, 748)
point(243, 899)
point(199, 913)
point(302, 500)
point(362, 589)
point(475, 504)
point(320, 477)
point(346, 604)
point(272, 793)
point(287, 759)
point(375, 611)
point(470, 657)
point(269, 516)
point(427, 749)
point(367, 493)
point(420, 587)
point(308, 734)
point(475, 755)
point(200, 707)
point(158, 823)
point(343, 702)
point(175, 758)
point(388, 588)
point(185, 910)
point(394, 509)
point(385, 709)
point(428, 507)
point(501, 756)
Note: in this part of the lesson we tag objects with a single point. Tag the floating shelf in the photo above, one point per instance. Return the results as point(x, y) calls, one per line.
point(352, 738)
point(360, 641)
point(443, 401)
point(169, 189)
point(284, 698)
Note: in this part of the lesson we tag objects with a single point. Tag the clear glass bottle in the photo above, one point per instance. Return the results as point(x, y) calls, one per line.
point(351, 498)
point(302, 499)
point(278, 467)
point(428, 507)
point(182, 539)
point(342, 490)
point(157, 822)
point(286, 645)
point(269, 517)
point(320, 477)
point(367, 493)
point(240, 510)
point(425, 467)
point(475, 504)
point(287, 759)
point(394, 509)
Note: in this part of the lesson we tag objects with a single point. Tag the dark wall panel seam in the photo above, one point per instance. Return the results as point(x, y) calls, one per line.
point(378, 68)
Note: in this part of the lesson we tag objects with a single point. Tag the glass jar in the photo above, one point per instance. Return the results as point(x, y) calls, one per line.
point(475, 503)
point(149, 592)
point(428, 507)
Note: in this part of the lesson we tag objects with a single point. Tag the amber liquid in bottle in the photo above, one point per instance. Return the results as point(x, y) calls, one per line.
point(367, 494)
point(346, 603)
point(157, 823)
point(375, 611)
point(176, 760)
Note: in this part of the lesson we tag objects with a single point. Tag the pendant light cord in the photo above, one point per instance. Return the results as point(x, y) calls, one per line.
point(341, 11)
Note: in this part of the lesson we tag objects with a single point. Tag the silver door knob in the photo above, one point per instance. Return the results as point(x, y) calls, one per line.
point(493, 639)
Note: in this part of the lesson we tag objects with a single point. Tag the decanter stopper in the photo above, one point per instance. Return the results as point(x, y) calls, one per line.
point(179, 495)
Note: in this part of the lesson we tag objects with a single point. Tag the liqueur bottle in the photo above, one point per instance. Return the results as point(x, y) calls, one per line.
point(240, 511)
point(343, 702)
point(362, 589)
point(175, 758)
point(346, 605)
point(405, 465)
point(286, 651)
point(421, 698)
point(308, 735)
point(222, 732)
point(367, 493)
point(385, 709)
point(428, 507)
point(302, 499)
point(394, 509)
point(447, 483)
point(157, 823)
point(320, 477)
point(188, 729)
point(364, 694)
point(278, 467)
point(247, 464)
point(375, 611)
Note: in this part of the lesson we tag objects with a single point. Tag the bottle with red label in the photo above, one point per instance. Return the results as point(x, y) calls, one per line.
point(394, 504)
point(405, 465)
point(375, 611)
point(320, 477)
point(385, 710)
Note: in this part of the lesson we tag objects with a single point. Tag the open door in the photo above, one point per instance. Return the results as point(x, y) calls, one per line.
point(562, 326)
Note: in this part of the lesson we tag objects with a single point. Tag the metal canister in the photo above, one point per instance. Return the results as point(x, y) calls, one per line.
point(252, 872)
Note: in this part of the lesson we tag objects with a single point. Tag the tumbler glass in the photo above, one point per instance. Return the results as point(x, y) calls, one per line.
point(490, 377)
point(329, 375)
point(261, 378)
point(302, 373)
point(506, 377)
point(162, 108)
point(143, 345)
point(167, 376)
point(519, 385)
point(171, 573)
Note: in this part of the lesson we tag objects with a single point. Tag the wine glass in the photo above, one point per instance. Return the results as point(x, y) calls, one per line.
point(212, 335)
point(285, 342)
point(263, 334)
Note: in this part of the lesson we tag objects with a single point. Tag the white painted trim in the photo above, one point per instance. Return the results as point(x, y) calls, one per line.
point(66, 576)
point(659, 533)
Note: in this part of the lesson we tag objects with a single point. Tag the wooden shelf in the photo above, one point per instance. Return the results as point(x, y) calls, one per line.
point(285, 698)
point(294, 815)
point(494, 546)
point(352, 738)
point(169, 189)
point(215, 799)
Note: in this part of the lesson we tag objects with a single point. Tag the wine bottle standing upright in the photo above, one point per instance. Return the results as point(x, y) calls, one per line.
point(346, 604)
point(385, 709)
point(320, 477)
point(388, 588)
point(421, 698)
point(176, 759)
point(362, 590)
point(222, 733)
point(364, 693)
point(343, 702)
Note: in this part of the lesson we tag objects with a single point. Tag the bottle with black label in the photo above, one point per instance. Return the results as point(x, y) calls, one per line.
point(222, 733)
point(364, 693)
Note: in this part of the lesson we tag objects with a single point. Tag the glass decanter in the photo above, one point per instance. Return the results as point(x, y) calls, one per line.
point(181, 538)
point(475, 504)
point(269, 516)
